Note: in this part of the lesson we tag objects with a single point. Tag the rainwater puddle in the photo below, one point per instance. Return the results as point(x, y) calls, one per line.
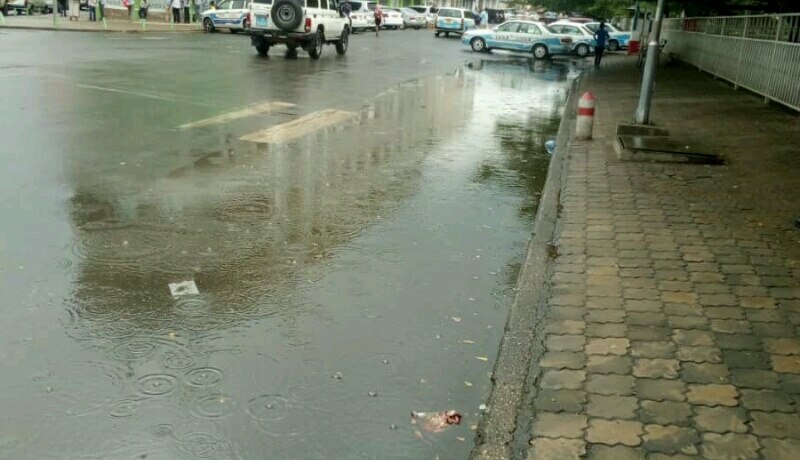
point(346, 279)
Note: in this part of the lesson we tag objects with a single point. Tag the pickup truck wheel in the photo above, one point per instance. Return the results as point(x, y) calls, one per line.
point(344, 41)
point(287, 14)
point(315, 51)
point(262, 48)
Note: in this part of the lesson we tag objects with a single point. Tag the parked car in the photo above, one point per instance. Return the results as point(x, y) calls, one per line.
point(582, 38)
point(617, 39)
point(361, 16)
point(233, 15)
point(526, 36)
point(454, 20)
point(428, 11)
point(19, 7)
point(306, 24)
point(413, 18)
point(392, 19)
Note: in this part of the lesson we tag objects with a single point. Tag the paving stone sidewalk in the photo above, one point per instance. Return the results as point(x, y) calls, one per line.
point(673, 324)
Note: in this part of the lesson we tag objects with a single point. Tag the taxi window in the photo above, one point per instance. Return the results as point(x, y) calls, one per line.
point(508, 27)
point(263, 2)
point(445, 13)
point(469, 15)
point(224, 6)
point(571, 30)
point(593, 27)
point(237, 4)
point(531, 29)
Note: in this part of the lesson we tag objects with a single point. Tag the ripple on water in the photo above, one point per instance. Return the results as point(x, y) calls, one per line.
point(126, 248)
point(203, 377)
point(134, 350)
point(178, 360)
point(157, 384)
point(124, 408)
point(163, 429)
point(204, 445)
point(213, 405)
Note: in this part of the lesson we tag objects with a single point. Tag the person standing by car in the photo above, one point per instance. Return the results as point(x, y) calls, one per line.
point(484, 19)
point(378, 18)
point(92, 12)
point(143, 9)
point(102, 9)
point(127, 4)
point(176, 10)
point(347, 8)
point(185, 4)
point(198, 9)
point(600, 37)
point(74, 9)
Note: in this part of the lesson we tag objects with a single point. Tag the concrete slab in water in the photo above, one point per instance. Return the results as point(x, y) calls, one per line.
point(663, 149)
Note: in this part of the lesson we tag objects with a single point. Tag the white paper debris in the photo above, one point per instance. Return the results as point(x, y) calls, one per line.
point(183, 288)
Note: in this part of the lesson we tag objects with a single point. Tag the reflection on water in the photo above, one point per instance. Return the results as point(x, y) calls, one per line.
point(330, 271)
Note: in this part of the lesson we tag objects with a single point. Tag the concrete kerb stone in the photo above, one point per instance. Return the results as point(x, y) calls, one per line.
point(110, 31)
point(508, 419)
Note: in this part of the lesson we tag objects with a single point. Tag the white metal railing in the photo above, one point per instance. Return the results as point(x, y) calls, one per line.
point(758, 53)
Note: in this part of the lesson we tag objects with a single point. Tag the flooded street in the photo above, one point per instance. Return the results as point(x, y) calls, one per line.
point(352, 266)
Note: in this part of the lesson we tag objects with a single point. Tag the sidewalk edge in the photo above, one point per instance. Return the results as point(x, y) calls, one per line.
point(110, 31)
point(512, 377)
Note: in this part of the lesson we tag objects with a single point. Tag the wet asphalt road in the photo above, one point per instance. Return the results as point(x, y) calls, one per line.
point(348, 274)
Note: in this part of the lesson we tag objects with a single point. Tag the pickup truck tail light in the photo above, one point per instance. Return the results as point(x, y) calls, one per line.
point(308, 25)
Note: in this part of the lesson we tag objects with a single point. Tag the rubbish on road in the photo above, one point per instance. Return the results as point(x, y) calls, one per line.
point(550, 146)
point(372, 394)
point(435, 421)
point(183, 288)
point(483, 407)
point(457, 319)
point(469, 342)
point(337, 376)
point(393, 427)
point(482, 358)
point(461, 438)
point(469, 384)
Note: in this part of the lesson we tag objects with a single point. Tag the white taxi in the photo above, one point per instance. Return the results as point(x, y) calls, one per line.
point(526, 36)
point(229, 14)
point(582, 38)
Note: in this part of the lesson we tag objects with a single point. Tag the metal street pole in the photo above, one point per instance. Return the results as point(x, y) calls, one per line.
point(642, 115)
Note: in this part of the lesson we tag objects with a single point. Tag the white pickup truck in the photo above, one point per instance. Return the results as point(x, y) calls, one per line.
point(307, 24)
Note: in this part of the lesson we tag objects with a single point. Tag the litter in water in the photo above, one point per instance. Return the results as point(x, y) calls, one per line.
point(482, 358)
point(550, 146)
point(183, 288)
point(435, 421)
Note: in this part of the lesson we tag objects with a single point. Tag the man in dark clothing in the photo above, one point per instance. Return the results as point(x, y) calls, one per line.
point(600, 37)
point(346, 10)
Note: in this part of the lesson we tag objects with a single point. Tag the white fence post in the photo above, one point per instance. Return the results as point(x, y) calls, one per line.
point(772, 61)
point(741, 54)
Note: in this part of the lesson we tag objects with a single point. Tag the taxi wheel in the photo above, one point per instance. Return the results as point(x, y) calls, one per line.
point(613, 45)
point(208, 26)
point(436, 34)
point(540, 51)
point(582, 50)
point(447, 35)
point(478, 44)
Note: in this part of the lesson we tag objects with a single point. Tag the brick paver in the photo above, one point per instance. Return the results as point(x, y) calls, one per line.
point(672, 326)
